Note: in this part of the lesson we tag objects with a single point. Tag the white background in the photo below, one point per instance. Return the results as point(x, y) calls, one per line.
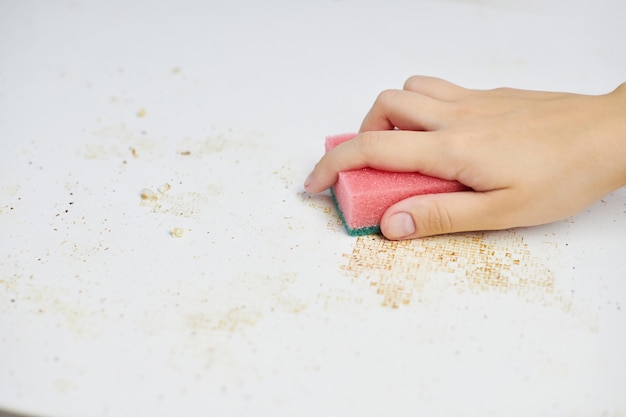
point(265, 306)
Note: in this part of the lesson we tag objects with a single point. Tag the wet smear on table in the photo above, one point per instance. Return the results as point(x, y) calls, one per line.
point(476, 263)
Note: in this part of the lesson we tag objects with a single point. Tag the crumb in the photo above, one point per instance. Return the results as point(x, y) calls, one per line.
point(134, 152)
point(185, 153)
point(177, 232)
point(164, 188)
point(176, 70)
point(141, 112)
point(148, 194)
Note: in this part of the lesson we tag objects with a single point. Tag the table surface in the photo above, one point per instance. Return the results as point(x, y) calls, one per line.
point(227, 290)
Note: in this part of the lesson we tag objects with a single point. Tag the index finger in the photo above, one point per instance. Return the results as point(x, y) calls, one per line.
point(390, 150)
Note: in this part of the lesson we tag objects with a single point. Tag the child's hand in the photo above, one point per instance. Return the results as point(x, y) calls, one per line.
point(531, 157)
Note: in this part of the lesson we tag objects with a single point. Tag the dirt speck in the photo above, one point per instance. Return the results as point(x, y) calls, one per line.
point(148, 195)
point(164, 188)
point(178, 232)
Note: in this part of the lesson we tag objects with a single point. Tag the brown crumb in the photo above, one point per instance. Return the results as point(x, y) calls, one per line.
point(185, 153)
point(148, 194)
point(164, 188)
point(133, 151)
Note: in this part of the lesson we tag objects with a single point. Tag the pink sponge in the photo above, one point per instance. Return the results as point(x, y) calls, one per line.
point(363, 195)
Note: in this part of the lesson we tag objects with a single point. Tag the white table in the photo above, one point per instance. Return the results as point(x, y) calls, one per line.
point(264, 305)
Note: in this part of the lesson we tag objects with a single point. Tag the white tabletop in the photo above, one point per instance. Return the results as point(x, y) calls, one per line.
point(264, 305)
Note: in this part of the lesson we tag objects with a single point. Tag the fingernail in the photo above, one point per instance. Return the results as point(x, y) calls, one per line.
point(308, 180)
point(400, 225)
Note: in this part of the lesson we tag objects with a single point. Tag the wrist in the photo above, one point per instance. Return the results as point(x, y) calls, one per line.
point(618, 97)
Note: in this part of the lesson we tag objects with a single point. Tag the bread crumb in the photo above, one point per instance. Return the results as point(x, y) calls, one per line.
point(148, 194)
point(164, 188)
point(185, 153)
point(141, 112)
point(177, 232)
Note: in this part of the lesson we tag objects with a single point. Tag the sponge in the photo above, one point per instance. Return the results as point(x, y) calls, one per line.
point(363, 195)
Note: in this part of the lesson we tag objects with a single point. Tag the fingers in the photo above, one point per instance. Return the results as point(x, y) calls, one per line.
point(405, 110)
point(390, 150)
point(435, 88)
point(436, 214)
point(420, 105)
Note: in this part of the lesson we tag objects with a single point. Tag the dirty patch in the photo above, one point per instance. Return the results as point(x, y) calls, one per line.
point(186, 204)
point(324, 204)
point(218, 143)
point(285, 174)
point(120, 142)
point(9, 199)
point(472, 263)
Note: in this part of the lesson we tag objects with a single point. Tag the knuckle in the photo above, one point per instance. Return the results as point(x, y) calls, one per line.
point(386, 97)
point(470, 110)
point(367, 144)
point(502, 91)
point(413, 82)
point(463, 110)
point(418, 82)
point(435, 220)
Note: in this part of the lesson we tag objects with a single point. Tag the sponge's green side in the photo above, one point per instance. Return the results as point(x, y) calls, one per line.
point(362, 231)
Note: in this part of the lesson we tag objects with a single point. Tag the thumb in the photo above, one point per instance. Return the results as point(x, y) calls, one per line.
point(435, 214)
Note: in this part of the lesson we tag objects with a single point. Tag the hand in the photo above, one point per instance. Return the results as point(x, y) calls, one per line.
point(530, 157)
